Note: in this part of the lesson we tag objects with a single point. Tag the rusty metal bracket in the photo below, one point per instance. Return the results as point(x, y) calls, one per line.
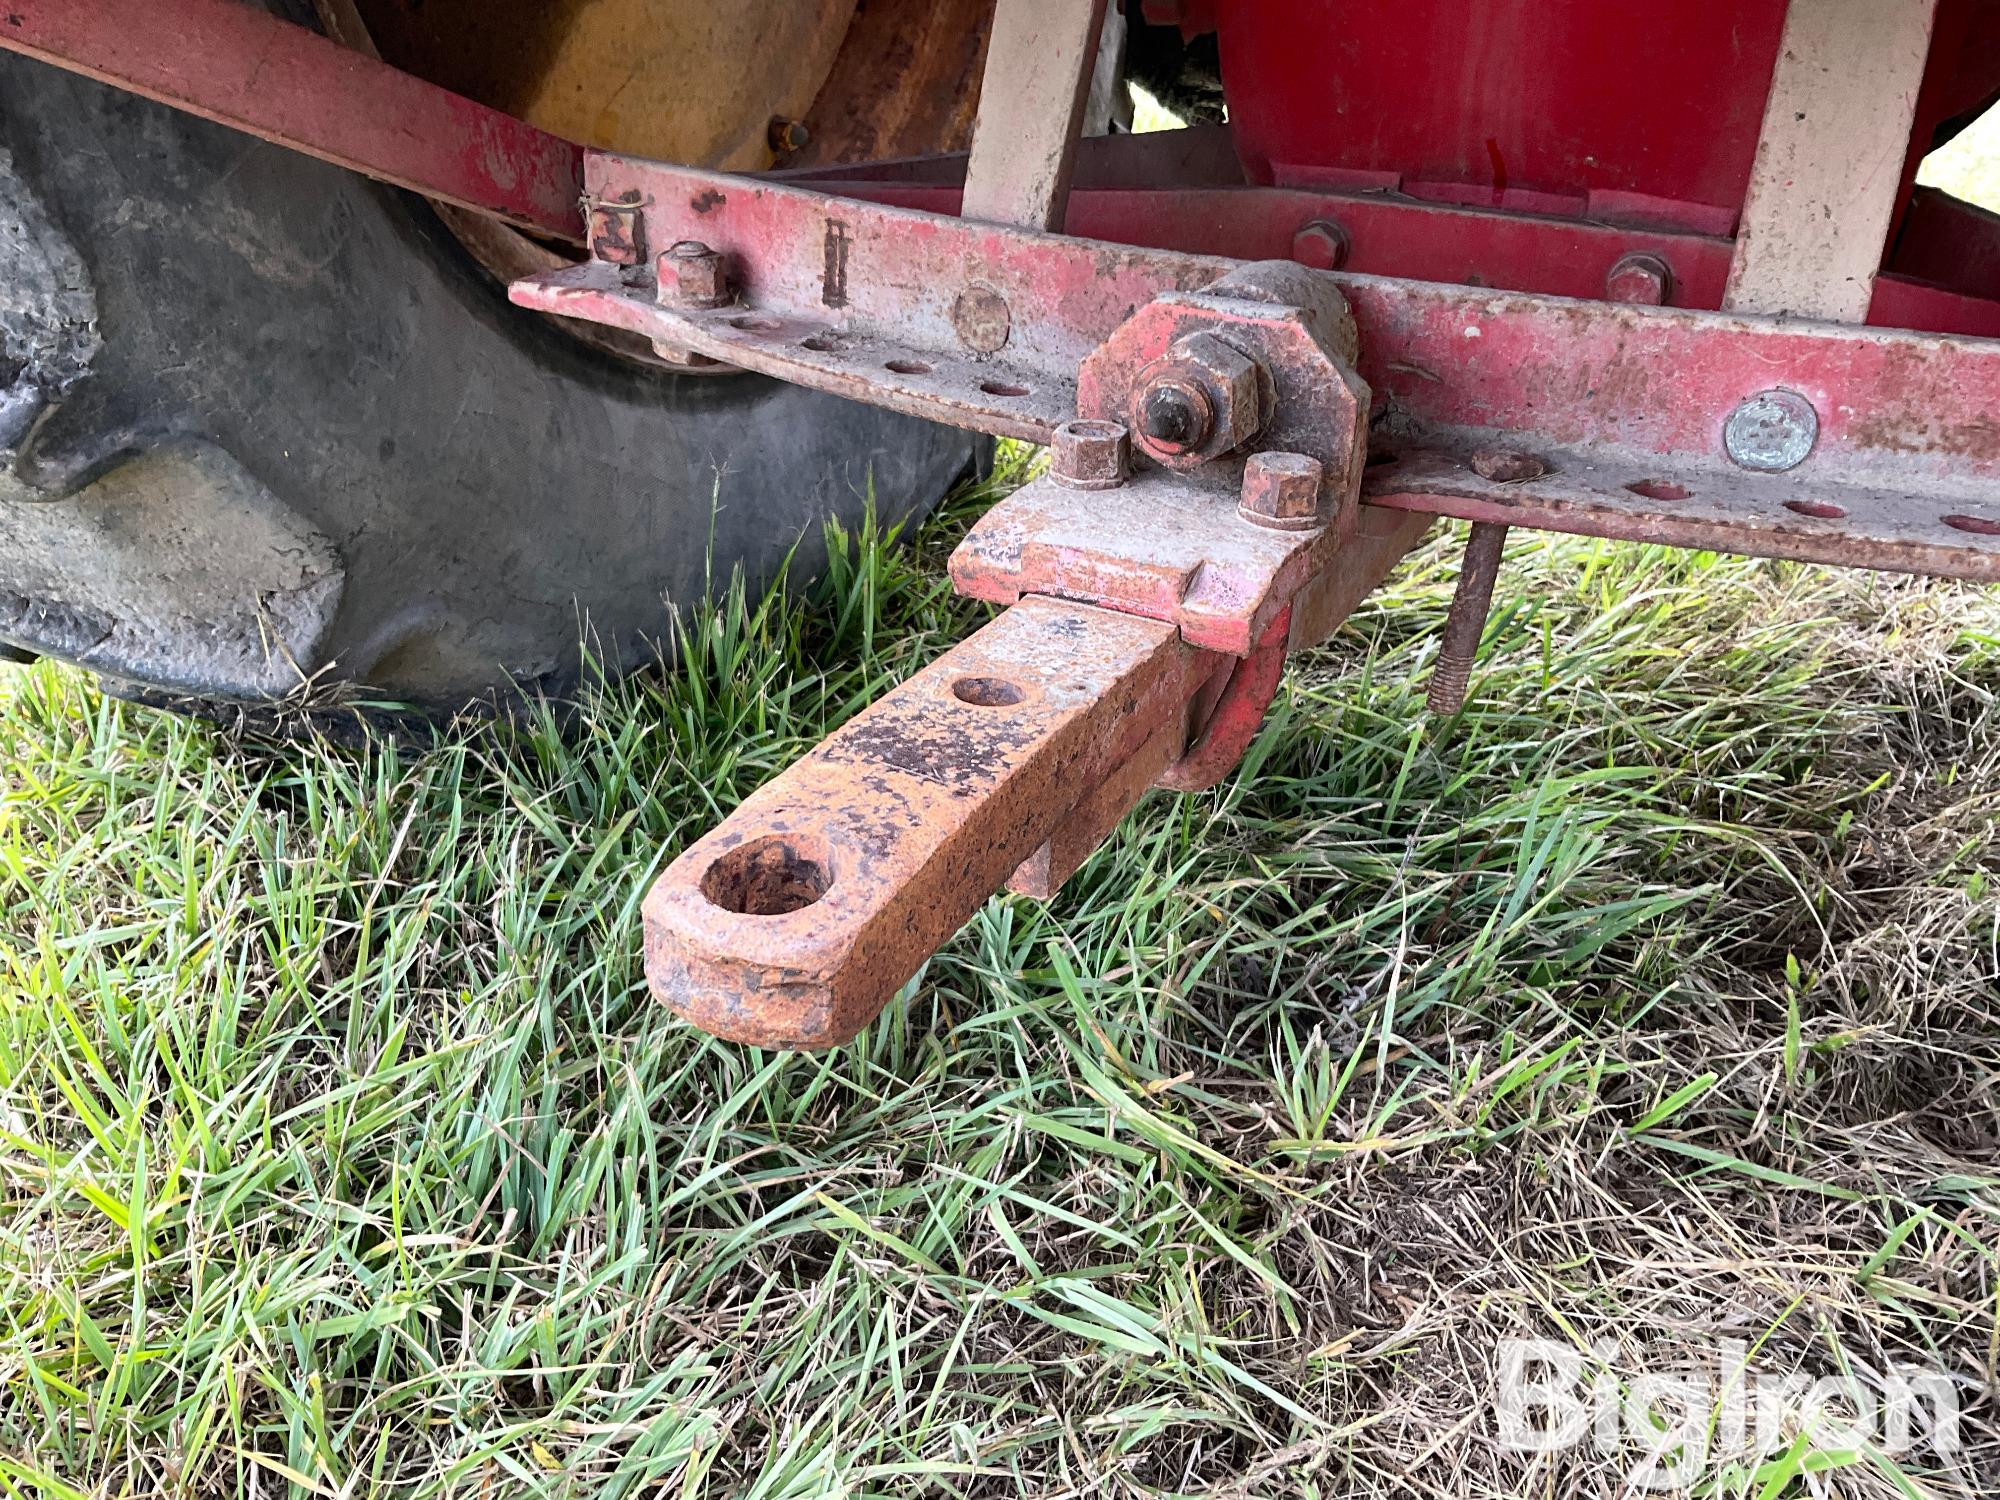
point(1151, 614)
point(795, 920)
point(978, 325)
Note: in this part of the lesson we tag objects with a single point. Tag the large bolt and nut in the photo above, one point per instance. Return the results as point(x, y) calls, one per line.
point(1281, 491)
point(1202, 400)
point(692, 276)
point(1641, 280)
point(1771, 432)
point(1088, 455)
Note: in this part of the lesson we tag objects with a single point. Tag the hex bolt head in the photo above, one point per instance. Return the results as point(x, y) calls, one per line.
point(692, 276)
point(1088, 455)
point(1281, 491)
point(1321, 244)
point(786, 136)
point(1640, 280)
point(1771, 432)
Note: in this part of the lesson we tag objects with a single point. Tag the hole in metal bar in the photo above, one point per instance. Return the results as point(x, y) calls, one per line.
point(752, 323)
point(987, 692)
point(1660, 489)
point(1002, 388)
point(768, 877)
point(821, 343)
point(906, 366)
point(1977, 525)
point(1819, 510)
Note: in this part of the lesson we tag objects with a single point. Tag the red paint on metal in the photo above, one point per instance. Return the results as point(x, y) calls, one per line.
point(1386, 235)
point(241, 66)
point(1238, 714)
point(1898, 410)
point(1804, 516)
point(1662, 102)
point(1166, 546)
point(1575, 98)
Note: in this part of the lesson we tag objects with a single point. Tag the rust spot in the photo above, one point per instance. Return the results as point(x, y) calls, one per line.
point(833, 275)
point(707, 201)
point(769, 877)
point(1507, 466)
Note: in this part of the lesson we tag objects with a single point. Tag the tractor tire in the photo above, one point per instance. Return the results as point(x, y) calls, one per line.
point(267, 432)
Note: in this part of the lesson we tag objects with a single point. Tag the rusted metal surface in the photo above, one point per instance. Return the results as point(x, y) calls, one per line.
point(1086, 455)
point(1465, 622)
point(878, 289)
point(241, 66)
point(1167, 546)
point(690, 275)
point(1293, 386)
point(1238, 713)
point(616, 234)
point(1281, 491)
point(906, 80)
point(1896, 410)
point(795, 920)
point(972, 324)
point(1636, 497)
point(1039, 60)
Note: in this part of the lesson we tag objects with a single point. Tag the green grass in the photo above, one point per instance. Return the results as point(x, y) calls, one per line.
point(343, 1152)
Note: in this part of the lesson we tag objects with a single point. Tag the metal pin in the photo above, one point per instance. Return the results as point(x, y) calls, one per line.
point(1466, 622)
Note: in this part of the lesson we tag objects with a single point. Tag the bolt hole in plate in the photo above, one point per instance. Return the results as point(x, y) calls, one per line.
point(906, 366)
point(821, 343)
point(1002, 388)
point(754, 323)
point(1660, 489)
point(769, 877)
point(1819, 510)
point(987, 692)
point(1977, 525)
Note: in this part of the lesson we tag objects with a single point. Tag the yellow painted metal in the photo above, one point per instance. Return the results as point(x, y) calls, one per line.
point(694, 81)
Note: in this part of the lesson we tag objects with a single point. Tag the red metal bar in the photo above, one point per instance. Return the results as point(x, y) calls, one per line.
point(240, 66)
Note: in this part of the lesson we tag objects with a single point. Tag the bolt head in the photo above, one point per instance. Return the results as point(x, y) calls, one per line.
point(1507, 466)
point(1321, 244)
point(1204, 399)
point(1089, 455)
point(1281, 491)
point(692, 276)
point(1174, 416)
point(981, 319)
point(1771, 432)
point(787, 136)
point(1641, 280)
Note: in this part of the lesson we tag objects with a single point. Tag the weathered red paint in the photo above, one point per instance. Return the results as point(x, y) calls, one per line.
point(241, 66)
point(1588, 109)
point(1238, 713)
